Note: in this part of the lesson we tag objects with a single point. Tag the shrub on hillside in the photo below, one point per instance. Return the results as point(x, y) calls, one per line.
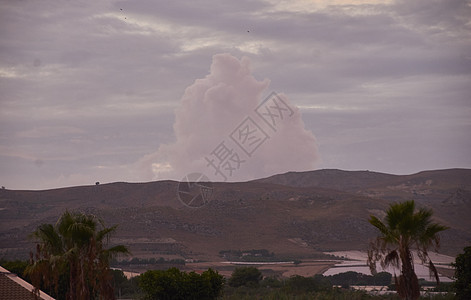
point(301, 285)
point(245, 276)
point(174, 284)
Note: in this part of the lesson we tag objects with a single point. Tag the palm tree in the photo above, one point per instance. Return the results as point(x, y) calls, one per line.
point(405, 229)
point(75, 246)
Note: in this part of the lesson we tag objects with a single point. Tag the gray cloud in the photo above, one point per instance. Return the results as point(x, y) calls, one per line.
point(89, 90)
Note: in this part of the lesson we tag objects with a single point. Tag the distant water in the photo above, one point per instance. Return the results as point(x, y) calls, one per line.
point(357, 263)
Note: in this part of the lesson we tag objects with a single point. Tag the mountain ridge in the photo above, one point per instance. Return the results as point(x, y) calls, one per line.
point(296, 214)
point(315, 176)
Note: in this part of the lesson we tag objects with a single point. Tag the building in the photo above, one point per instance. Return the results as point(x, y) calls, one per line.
point(12, 287)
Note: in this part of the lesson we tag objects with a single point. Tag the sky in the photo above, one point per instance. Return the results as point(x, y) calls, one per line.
point(135, 91)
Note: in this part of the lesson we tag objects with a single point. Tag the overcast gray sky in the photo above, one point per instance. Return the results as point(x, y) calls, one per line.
point(97, 90)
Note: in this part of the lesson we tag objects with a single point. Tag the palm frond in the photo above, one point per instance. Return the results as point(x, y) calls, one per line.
point(119, 249)
point(116, 250)
point(106, 232)
point(430, 234)
point(391, 259)
point(399, 213)
point(372, 259)
point(433, 271)
point(48, 237)
point(378, 224)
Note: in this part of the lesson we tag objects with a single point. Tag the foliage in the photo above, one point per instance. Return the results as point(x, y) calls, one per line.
point(265, 293)
point(74, 251)
point(463, 274)
point(248, 276)
point(403, 230)
point(124, 287)
point(445, 287)
point(272, 288)
point(16, 266)
point(118, 280)
point(242, 293)
point(301, 285)
point(175, 284)
point(271, 282)
point(347, 279)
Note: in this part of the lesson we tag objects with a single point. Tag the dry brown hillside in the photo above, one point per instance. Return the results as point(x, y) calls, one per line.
point(294, 215)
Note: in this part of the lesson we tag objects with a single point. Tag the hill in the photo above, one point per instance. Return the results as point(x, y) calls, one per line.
point(294, 215)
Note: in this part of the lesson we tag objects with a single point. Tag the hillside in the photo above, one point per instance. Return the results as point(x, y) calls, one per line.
point(293, 214)
point(447, 192)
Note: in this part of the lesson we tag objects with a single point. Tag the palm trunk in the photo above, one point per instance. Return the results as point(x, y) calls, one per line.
point(72, 281)
point(408, 288)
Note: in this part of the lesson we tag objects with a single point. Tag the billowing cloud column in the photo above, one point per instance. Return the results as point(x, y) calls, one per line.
point(224, 130)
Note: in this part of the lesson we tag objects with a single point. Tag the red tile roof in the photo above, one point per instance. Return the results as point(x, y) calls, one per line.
point(13, 287)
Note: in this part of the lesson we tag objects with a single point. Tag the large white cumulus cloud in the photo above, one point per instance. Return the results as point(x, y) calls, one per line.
point(212, 109)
